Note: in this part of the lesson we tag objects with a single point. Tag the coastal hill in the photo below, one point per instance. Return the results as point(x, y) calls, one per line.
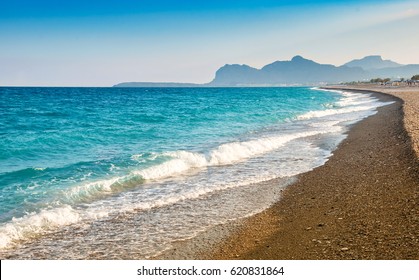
point(298, 71)
point(372, 62)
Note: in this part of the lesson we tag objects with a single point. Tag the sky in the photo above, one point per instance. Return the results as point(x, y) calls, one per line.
point(102, 43)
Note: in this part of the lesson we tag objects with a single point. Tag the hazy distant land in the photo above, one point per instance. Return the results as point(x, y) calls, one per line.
point(151, 84)
point(297, 71)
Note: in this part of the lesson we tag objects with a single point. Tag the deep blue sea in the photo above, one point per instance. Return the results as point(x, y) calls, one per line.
point(141, 168)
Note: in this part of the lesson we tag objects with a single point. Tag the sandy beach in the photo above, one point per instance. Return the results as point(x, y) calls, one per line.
point(362, 204)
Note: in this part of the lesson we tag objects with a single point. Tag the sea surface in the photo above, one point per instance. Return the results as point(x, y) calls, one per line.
point(122, 173)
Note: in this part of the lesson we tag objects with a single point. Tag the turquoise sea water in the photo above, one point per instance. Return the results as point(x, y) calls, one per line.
point(167, 162)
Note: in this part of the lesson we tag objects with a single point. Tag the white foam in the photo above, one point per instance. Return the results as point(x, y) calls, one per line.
point(113, 167)
point(354, 100)
point(329, 90)
point(330, 112)
point(91, 189)
point(39, 168)
point(143, 157)
point(36, 223)
point(239, 151)
point(349, 103)
point(181, 162)
point(325, 124)
point(193, 193)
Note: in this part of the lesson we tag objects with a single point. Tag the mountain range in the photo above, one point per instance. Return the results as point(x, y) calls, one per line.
point(299, 71)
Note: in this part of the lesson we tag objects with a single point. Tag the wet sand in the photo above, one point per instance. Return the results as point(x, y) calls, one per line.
point(362, 204)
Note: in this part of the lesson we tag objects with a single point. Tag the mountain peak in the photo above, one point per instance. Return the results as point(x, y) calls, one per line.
point(372, 62)
point(375, 56)
point(297, 58)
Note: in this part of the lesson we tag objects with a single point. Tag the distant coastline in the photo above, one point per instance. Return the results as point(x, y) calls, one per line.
point(298, 71)
point(157, 85)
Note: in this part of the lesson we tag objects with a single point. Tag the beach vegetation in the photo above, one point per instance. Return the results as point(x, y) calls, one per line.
point(380, 80)
point(415, 77)
point(376, 80)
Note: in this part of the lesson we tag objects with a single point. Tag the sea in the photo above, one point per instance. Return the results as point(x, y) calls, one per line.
point(125, 173)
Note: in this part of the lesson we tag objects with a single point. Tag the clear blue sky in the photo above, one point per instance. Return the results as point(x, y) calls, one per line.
point(100, 43)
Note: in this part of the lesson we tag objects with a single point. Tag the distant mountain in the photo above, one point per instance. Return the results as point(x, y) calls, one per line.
point(298, 71)
point(234, 75)
point(406, 71)
point(376, 67)
point(372, 62)
point(152, 84)
point(301, 70)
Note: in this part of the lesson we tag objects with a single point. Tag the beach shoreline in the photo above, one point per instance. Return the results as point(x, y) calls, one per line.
point(362, 204)
point(410, 98)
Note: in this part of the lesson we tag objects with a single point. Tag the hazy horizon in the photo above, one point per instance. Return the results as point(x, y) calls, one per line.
point(105, 43)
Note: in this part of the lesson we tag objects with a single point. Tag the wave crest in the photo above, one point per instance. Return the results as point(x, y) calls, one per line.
point(36, 223)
